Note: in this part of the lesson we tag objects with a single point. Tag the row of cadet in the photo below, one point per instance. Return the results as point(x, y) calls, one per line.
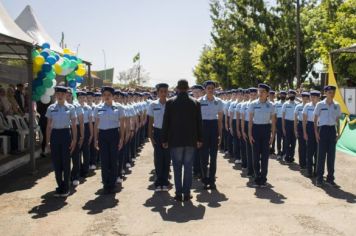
point(106, 128)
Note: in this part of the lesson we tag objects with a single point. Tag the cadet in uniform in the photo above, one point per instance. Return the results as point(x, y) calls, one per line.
point(245, 116)
point(212, 111)
point(93, 151)
point(279, 115)
point(271, 98)
point(161, 155)
point(109, 137)
point(298, 130)
point(261, 134)
point(288, 126)
point(84, 151)
point(62, 138)
point(309, 135)
point(240, 128)
point(326, 128)
point(232, 124)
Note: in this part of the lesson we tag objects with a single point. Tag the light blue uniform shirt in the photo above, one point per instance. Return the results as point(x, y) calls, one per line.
point(299, 111)
point(87, 113)
point(238, 109)
point(79, 110)
point(226, 108)
point(156, 110)
point(210, 109)
point(244, 110)
point(61, 115)
point(262, 112)
point(328, 114)
point(278, 108)
point(109, 116)
point(288, 108)
point(232, 109)
point(309, 111)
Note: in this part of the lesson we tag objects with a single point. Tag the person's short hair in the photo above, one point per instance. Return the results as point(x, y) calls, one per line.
point(183, 84)
point(161, 85)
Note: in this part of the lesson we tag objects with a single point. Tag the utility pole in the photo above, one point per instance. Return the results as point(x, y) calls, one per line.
point(298, 46)
point(104, 64)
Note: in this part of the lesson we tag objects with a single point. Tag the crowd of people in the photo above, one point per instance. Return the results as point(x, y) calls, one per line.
point(187, 129)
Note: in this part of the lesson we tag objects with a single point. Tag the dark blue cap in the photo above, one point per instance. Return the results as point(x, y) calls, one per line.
point(118, 92)
point(329, 88)
point(272, 92)
point(264, 86)
point(305, 94)
point(161, 85)
point(108, 89)
point(89, 93)
point(315, 93)
point(246, 91)
point(81, 93)
point(209, 82)
point(197, 86)
point(282, 92)
point(240, 90)
point(61, 89)
point(253, 90)
point(291, 91)
point(97, 94)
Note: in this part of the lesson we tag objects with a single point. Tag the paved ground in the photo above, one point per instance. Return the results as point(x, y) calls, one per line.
point(291, 206)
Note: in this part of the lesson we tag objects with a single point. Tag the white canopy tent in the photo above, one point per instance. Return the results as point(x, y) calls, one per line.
point(30, 24)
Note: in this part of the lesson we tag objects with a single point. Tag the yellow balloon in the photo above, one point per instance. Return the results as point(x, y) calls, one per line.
point(36, 68)
point(80, 72)
point(66, 51)
point(39, 60)
point(57, 68)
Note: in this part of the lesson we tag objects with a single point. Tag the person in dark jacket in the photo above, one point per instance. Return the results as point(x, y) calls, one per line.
point(182, 134)
point(20, 97)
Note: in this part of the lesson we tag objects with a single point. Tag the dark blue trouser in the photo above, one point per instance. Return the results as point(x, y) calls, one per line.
point(261, 135)
point(196, 165)
point(93, 152)
point(312, 147)
point(182, 157)
point(235, 142)
point(290, 140)
point(243, 152)
point(280, 138)
point(209, 151)
point(249, 152)
point(302, 146)
point(162, 160)
point(85, 150)
point(60, 153)
point(326, 150)
point(75, 173)
point(108, 148)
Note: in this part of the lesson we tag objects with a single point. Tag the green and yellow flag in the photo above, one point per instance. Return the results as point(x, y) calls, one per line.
point(136, 58)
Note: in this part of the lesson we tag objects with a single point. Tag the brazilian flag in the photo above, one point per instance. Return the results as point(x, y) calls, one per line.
point(136, 58)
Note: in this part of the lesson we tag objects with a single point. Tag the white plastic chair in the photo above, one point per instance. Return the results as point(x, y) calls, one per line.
point(37, 128)
point(15, 124)
point(5, 144)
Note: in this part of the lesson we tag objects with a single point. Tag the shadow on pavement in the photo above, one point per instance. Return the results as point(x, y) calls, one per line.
point(171, 210)
point(21, 178)
point(101, 203)
point(49, 204)
point(337, 192)
point(213, 198)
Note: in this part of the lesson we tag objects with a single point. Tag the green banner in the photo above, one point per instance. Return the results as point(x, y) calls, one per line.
point(347, 141)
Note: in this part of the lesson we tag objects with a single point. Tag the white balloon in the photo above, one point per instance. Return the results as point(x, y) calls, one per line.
point(49, 91)
point(45, 99)
point(54, 81)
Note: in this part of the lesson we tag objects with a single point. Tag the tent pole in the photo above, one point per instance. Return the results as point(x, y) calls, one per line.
point(31, 112)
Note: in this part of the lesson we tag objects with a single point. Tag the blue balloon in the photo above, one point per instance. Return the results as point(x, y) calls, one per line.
point(44, 54)
point(79, 79)
point(51, 60)
point(46, 45)
point(36, 83)
point(46, 67)
point(57, 57)
point(72, 84)
point(66, 56)
point(41, 75)
point(73, 58)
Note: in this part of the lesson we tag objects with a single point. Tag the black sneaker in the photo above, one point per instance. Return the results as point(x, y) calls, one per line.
point(178, 198)
point(212, 186)
point(319, 184)
point(263, 185)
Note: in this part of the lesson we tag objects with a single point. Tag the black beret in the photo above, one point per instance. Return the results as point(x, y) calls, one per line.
point(240, 90)
point(272, 92)
point(61, 89)
point(315, 93)
point(246, 91)
point(161, 85)
point(108, 89)
point(209, 82)
point(329, 88)
point(197, 86)
point(89, 93)
point(97, 94)
point(282, 92)
point(264, 86)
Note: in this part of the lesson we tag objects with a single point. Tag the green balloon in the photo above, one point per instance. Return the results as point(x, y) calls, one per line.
point(73, 64)
point(40, 91)
point(47, 83)
point(51, 75)
point(66, 63)
point(35, 53)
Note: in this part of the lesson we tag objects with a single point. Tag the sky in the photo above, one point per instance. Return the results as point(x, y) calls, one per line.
point(169, 34)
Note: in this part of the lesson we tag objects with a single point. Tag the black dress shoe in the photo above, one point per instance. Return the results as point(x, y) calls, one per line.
point(212, 186)
point(187, 197)
point(178, 198)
